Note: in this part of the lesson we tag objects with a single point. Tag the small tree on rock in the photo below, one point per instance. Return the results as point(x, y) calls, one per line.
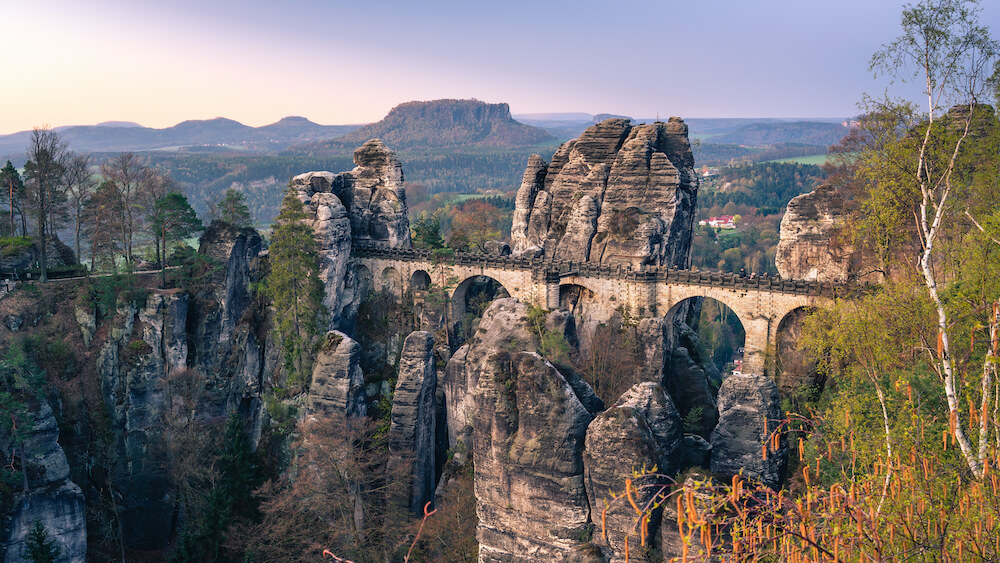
point(232, 208)
point(39, 547)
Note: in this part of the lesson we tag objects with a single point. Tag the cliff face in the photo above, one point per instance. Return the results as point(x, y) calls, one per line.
point(619, 194)
point(52, 498)
point(366, 205)
point(813, 244)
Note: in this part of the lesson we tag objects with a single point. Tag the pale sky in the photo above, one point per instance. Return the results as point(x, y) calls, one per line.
point(74, 62)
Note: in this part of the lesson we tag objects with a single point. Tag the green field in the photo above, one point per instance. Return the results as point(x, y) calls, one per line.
point(816, 159)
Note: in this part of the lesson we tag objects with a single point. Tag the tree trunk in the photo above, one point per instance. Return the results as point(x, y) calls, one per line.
point(43, 262)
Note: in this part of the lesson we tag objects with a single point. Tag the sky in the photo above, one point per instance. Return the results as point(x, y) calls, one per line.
point(67, 62)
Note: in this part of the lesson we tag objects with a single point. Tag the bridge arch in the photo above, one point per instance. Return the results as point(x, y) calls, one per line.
point(471, 297)
point(795, 374)
point(391, 281)
point(420, 280)
point(578, 299)
point(721, 330)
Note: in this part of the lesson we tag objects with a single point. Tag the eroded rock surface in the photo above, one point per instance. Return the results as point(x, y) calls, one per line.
point(529, 436)
point(53, 499)
point(338, 383)
point(619, 194)
point(749, 411)
point(363, 205)
point(642, 431)
point(413, 425)
point(504, 326)
point(812, 243)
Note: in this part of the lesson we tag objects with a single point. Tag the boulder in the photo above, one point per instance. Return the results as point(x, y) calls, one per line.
point(338, 384)
point(497, 248)
point(749, 411)
point(619, 194)
point(413, 425)
point(639, 434)
point(529, 437)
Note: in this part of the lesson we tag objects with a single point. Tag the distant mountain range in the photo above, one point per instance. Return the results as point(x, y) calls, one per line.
point(437, 125)
point(113, 136)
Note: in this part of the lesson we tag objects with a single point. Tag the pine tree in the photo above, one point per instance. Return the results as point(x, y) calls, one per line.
point(293, 285)
point(41, 548)
point(172, 220)
point(232, 209)
point(13, 189)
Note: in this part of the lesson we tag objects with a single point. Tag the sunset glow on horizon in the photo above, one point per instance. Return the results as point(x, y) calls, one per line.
point(71, 63)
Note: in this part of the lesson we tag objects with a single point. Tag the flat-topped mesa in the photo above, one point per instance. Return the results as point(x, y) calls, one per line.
point(372, 195)
point(619, 194)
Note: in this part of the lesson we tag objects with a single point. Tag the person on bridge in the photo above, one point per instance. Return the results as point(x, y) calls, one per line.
point(743, 272)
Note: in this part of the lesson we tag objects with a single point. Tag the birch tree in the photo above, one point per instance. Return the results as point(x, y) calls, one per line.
point(920, 177)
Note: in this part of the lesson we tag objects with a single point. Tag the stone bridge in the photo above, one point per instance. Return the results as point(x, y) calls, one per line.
point(597, 291)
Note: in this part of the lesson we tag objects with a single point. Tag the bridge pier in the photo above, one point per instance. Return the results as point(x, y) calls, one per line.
point(757, 344)
point(551, 290)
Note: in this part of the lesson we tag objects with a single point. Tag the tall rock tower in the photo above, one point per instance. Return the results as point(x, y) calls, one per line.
point(619, 194)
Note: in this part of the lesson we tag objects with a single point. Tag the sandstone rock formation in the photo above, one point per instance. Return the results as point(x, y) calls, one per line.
point(364, 205)
point(338, 384)
point(688, 385)
point(619, 194)
point(53, 499)
point(812, 243)
point(413, 425)
point(749, 411)
point(642, 431)
point(529, 435)
point(56, 254)
point(145, 347)
point(504, 326)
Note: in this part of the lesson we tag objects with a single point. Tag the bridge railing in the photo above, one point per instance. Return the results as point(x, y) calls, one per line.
point(645, 272)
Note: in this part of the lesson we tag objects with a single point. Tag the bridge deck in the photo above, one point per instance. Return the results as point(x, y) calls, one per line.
point(646, 273)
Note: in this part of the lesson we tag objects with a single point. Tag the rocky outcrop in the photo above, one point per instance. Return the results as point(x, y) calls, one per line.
point(228, 326)
point(641, 432)
point(529, 436)
point(413, 425)
point(619, 194)
point(366, 205)
point(52, 498)
point(505, 325)
point(372, 195)
point(749, 411)
point(687, 383)
point(146, 346)
point(338, 384)
point(813, 244)
point(56, 254)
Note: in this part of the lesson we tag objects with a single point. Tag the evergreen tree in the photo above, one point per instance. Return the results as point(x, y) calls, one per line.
point(293, 285)
point(13, 189)
point(232, 208)
point(427, 231)
point(172, 219)
point(41, 548)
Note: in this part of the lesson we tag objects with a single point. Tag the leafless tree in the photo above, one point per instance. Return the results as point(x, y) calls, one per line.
point(80, 184)
point(45, 171)
point(129, 178)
